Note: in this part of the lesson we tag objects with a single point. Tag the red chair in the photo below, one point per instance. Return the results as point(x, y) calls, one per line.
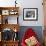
point(29, 33)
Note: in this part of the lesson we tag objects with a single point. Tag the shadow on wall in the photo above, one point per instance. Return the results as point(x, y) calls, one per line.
point(37, 29)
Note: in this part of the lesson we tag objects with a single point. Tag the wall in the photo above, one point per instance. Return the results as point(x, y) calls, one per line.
point(26, 4)
point(31, 4)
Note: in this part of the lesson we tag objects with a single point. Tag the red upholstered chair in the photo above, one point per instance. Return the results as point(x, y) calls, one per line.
point(29, 33)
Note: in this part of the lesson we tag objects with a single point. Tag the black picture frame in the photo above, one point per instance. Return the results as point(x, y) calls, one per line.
point(30, 14)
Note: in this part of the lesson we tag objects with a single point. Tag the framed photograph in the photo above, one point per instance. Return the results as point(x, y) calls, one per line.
point(13, 20)
point(30, 14)
point(13, 12)
point(10, 20)
point(5, 12)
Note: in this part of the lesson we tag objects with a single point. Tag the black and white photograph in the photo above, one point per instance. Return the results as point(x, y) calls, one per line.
point(30, 14)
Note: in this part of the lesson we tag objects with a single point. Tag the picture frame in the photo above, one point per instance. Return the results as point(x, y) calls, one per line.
point(30, 14)
point(7, 34)
point(5, 12)
point(13, 12)
point(13, 20)
point(10, 20)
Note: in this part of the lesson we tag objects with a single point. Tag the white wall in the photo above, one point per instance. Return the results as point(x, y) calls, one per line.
point(32, 4)
point(26, 4)
point(7, 3)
